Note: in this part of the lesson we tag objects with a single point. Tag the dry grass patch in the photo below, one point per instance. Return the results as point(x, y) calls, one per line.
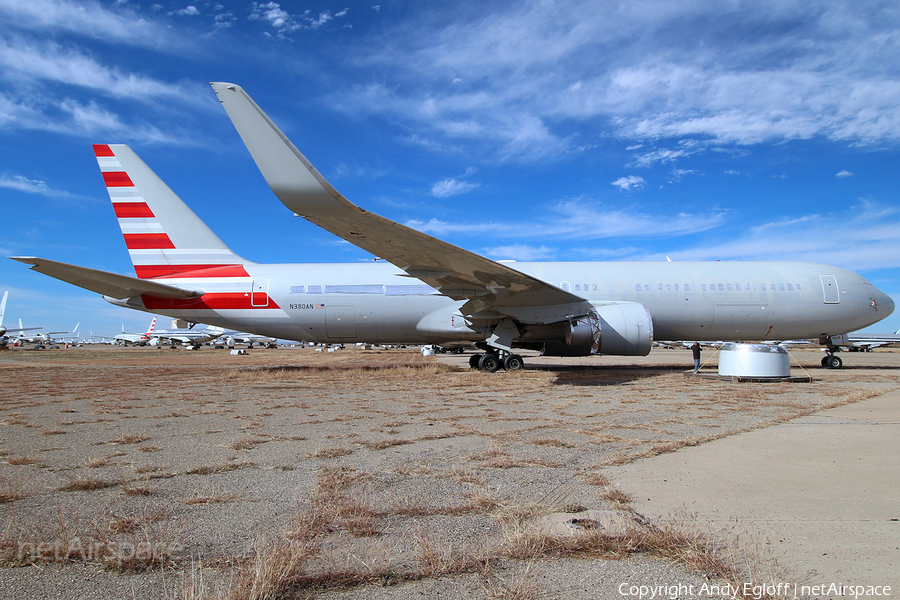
point(19, 460)
point(334, 452)
point(245, 443)
point(14, 487)
point(128, 439)
point(142, 488)
point(222, 467)
point(82, 482)
point(218, 498)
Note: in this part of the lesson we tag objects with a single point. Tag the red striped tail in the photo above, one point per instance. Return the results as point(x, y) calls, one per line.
point(164, 237)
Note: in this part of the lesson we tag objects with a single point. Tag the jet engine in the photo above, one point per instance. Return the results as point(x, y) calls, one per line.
point(624, 328)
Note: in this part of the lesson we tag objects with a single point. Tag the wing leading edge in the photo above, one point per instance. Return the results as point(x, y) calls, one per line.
point(456, 273)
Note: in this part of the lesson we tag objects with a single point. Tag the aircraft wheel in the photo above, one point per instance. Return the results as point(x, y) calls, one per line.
point(513, 362)
point(473, 361)
point(825, 362)
point(489, 363)
point(834, 362)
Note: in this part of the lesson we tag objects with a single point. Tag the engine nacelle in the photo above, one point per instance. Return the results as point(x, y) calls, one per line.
point(624, 328)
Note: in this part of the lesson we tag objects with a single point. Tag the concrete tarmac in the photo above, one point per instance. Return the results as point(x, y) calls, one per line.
point(822, 490)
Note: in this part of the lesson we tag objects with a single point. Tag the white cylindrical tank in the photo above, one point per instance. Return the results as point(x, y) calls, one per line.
point(754, 360)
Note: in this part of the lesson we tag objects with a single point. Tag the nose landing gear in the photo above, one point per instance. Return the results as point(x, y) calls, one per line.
point(830, 361)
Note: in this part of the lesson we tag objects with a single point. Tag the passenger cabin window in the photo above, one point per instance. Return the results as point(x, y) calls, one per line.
point(781, 286)
point(790, 288)
point(637, 287)
point(687, 287)
point(721, 287)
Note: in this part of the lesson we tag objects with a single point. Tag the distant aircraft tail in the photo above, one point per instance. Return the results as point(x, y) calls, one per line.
point(164, 237)
point(152, 325)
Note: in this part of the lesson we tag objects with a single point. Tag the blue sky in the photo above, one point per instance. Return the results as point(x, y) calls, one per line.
point(581, 130)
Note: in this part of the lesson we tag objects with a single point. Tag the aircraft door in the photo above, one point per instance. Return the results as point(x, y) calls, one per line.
point(830, 289)
point(259, 293)
point(340, 322)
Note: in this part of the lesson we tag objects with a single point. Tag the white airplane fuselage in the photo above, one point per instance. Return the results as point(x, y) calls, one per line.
point(374, 302)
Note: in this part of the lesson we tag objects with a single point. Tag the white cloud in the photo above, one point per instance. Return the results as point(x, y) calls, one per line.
point(25, 61)
point(657, 70)
point(521, 252)
point(284, 22)
point(20, 183)
point(869, 234)
point(272, 13)
point(632, 182)
point(451, 187)
point(843, 174)
point(30, 186)
point(582, 220)
point(188, 11)
point(87, 18)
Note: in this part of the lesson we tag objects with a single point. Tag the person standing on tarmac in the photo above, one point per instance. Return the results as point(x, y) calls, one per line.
point(695, 350)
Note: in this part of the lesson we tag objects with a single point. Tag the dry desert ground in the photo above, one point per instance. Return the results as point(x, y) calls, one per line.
point(291, 473)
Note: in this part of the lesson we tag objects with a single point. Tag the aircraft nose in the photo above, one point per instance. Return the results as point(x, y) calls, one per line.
point(885, 303)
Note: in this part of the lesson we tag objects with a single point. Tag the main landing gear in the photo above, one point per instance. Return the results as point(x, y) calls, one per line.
point(493, 360)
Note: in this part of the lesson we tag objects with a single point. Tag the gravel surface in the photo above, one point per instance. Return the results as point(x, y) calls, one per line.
point(131, 473)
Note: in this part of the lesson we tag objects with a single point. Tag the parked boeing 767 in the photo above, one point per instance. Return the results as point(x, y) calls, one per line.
point(427, 291)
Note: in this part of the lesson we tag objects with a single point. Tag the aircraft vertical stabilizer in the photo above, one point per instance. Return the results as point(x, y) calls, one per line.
point(164, 237)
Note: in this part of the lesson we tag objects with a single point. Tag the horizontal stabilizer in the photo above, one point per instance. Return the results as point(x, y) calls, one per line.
point(102, 282)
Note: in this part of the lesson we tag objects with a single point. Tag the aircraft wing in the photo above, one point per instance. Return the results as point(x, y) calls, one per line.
point(457, 273)
point(102, 282)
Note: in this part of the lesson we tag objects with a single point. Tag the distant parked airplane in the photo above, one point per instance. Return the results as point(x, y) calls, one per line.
point(140, 339)
point(235, 337)
point(40, 339)
point(190, 337)
point(869, 341)
point(5, 330)
point(427, 291)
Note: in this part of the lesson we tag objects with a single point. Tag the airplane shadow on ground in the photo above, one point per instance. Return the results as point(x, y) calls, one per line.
point(595, 376)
